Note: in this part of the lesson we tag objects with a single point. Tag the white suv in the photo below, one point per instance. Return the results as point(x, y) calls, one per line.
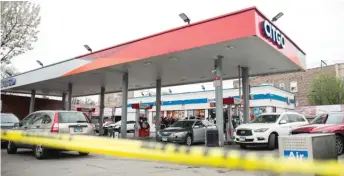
point(266, 128)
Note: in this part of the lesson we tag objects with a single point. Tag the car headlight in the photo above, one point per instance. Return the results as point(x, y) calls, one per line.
point(179, 134)
point(261, 130)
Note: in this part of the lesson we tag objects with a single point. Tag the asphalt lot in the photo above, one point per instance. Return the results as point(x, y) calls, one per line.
point(70, 163)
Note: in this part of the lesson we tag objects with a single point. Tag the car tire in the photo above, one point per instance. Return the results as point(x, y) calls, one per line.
point(40, 152)
point(11, 148)
point(272, 142)
point(339, 144)
point(83, 153)
point(243, 146)
point(188, 140)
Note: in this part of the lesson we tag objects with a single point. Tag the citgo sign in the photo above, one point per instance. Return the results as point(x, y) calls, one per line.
point(8, 82)
point(273, 34)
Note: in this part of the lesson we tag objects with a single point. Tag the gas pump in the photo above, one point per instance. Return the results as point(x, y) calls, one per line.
point(87, 111)
point(142, 128)
point(229, 127)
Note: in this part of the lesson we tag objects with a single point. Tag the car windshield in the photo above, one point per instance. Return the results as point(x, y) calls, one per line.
point(335, 118)
point(266, 118)
point(183, 124)
point(72, 117)
point(319, 120)
point(9, 118)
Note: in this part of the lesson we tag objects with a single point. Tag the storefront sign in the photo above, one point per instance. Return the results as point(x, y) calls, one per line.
point(293, 154)
point(273, 34)
point(8, 82)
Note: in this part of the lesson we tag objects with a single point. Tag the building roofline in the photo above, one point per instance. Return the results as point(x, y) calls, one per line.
point(191, 92)
point(164, 32)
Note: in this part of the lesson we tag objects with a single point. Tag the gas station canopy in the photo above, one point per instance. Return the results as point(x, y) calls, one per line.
point(179, 56)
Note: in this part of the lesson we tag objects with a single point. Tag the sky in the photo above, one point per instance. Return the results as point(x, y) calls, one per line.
point(315, 25)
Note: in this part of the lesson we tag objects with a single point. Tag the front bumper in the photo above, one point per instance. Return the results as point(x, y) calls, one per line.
point(174, 139)
point(255, 138)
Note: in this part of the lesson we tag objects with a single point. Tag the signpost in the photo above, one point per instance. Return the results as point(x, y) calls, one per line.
point(217, 81)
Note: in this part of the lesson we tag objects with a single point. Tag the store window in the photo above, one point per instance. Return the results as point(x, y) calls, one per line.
point(190, 113)
point(176, 114)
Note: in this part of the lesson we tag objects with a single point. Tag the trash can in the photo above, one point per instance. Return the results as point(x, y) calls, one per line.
point(212, 136)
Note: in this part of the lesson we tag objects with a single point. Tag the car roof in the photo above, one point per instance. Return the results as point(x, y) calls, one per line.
point(280, 113)
point(7, 113)
point(56, 111)
point(334, 112)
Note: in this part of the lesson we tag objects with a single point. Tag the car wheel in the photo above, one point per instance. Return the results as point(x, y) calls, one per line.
point(11, 148)
point(339, 144)
point(84, 153)
point(243, 146)
point(272, 141)
point(188, 140)
point(40, 152)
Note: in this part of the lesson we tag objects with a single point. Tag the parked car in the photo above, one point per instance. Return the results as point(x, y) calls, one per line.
point(8, 121)
point(117, 126)
point(332, 122)
point(68, 122)
point(266, 128)
point(184, 132)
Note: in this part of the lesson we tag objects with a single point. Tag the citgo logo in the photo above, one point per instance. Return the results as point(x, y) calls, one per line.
point(274, 34)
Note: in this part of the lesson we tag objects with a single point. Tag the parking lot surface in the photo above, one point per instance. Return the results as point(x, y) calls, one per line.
point(70, 163)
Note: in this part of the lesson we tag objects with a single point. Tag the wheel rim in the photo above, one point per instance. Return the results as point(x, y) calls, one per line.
point(188, 140)
point(339, 145)
point(39, 150)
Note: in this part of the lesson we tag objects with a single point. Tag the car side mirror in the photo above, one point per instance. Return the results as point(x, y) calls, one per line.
point(283, 122)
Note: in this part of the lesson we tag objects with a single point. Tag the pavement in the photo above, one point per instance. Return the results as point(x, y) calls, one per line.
point(70, 163)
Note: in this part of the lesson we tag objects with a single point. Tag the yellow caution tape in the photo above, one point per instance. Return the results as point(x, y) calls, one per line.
point(201, 156)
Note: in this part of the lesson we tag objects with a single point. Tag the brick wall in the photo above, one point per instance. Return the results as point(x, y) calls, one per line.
point(303, 80)
point(19, 105)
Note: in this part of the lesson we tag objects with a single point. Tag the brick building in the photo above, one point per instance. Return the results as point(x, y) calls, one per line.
point(298, 82)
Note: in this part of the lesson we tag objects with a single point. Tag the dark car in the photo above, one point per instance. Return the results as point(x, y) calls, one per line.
point(184, 132)
point(8, 121)
point(332, 122)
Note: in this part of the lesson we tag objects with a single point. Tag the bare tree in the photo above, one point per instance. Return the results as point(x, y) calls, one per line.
point(7, 70)
point(19, 22)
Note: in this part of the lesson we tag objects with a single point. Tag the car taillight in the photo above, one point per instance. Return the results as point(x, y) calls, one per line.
point(55, 126)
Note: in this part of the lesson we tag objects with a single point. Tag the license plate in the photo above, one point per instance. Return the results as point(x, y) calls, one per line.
point(77, 129)
point(164, 139)
point(242, 139)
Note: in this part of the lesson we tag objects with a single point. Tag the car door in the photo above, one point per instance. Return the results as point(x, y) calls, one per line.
point(24, 126)
point(284, 129)
point(198, 131)
point(35, 124)
point(45, 122)
point(131, 126)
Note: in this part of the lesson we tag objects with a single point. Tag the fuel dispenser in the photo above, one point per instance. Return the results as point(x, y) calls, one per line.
point(142, 127)
point(228, 118)
point(87, 111)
